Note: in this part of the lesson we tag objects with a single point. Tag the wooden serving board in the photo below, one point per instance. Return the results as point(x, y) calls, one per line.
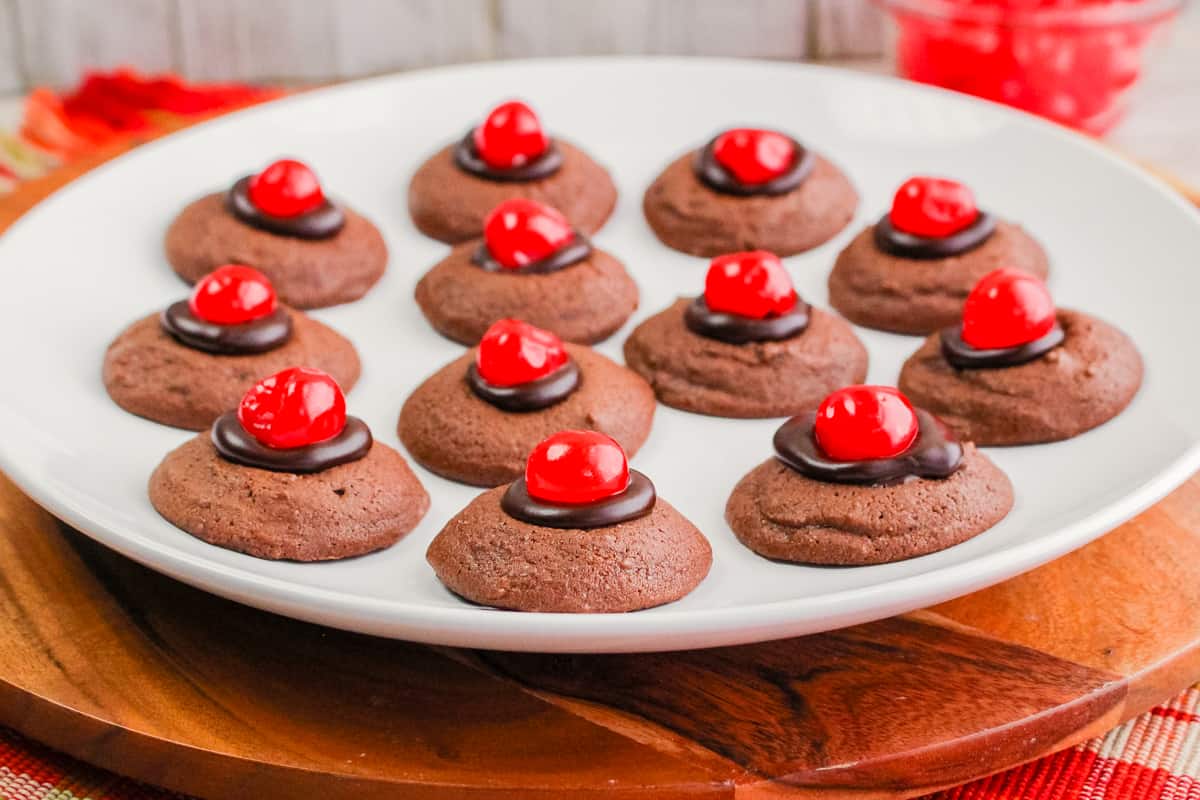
point(134, 672)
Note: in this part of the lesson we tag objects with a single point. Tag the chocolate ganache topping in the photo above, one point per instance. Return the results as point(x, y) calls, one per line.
point(572, 252)
point(235, 444)
point(962, 355)
point(533, 395)
point(934, 454)
point(712, 174)
point(891, 239)
point(322, 222)
point(637, 500)
point(243, 338)
point(467, 158)
point(736, 329)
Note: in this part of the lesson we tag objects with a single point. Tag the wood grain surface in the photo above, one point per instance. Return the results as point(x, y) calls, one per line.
point(139, 674)
point(52, 41)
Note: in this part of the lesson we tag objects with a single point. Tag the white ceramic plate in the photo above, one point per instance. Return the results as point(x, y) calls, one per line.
point(89, 260)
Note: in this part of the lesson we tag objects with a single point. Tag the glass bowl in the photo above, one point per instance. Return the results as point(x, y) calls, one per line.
point(1072, 61)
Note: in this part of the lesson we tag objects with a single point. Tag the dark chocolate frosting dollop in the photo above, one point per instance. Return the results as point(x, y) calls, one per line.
point(322, 222)
point(962, 355)
point(574, 251)
point(891, 239)
point(936, 453)
point(467, 158)
point(712, 174)
point(243, 338)
point(637, 500)
point(534, 395)
point(736, 329)
point(234, 443)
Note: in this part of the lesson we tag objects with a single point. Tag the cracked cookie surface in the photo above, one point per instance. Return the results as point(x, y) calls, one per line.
point(783, 515)
point(584, 302)
point(918, 296)
point(343, 511)
point(149, 373)
point(488, 557)
point(307, 273)
point(449, 204)
point(449, 430)
point(688, 216)
point(758, 379)
point(1086, 381)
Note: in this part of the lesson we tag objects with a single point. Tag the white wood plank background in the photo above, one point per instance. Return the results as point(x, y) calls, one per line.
point(761, 28)
point(264, 39)
point(847, 28)
point(10, 68)
point(326, 39)
point(49, 42)
point(57, 39)
point(52, 41)
point(384, 35)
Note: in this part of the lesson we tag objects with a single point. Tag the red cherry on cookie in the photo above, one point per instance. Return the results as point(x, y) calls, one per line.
point(753, 155)
point(933, 207)
point(752, 284)
point(232, 294)
point(519, 231)
point(1007, 308)
point(513, 352)
point(859, 423)
point(576, 467)
point(511, 136)
point(293, 408)
point(286, 188)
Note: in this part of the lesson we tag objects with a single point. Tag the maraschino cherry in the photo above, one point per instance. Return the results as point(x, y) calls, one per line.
point(1007, 308)
point(293, 408)
point(933, 207)
point(754, 156)
point(286, 188)
point(752, 284)
point(233, 294)
point(510, 137)
point(859, 423)
point(576, 467)
point(513, 352)
point(519, 232)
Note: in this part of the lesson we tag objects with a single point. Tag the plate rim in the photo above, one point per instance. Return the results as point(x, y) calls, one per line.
point(606, 632)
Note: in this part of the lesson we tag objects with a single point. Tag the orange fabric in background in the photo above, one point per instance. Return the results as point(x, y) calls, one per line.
point(104, 109)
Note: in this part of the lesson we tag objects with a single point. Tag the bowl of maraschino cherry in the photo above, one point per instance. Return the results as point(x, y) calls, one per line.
point(1072, 61)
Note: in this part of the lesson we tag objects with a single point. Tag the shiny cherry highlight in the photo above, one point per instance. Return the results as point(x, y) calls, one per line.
point(233, 294)
point(519, 232)
point(752, 284)
point(286, 188)
point(1007, 308)
point(293, 408)
point(754, 156)
point(576, 467)
point(860, 423)
point(513, 352)
point(933, 207)
point(510, 137)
